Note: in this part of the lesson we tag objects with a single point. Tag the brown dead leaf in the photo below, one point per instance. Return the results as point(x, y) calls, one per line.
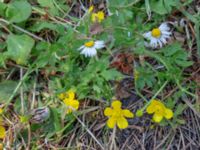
point(96, 28)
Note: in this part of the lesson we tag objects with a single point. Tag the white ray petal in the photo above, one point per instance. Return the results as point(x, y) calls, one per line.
point(99, 44)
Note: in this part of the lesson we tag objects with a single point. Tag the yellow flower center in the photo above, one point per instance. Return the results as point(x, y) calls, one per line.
point(89, 44)
point(156, 33)
point(117, 113)
point(159, 109)
point(100, 15)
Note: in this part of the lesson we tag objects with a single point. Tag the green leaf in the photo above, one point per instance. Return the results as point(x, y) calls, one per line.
point(162, 6)
point(19, 47)
point(2, 8)
point(38, 26)
point(169, 4)
point(180, 108)
point(18, 11)
point(158, 7)
point(111, 74)
point(6, 90)
point(171, 49)
point(183, 63)
point(50, 5)
point(180, 121)
point(56, 119)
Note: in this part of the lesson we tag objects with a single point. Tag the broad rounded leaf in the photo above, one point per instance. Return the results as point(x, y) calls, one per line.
point(49, 4)
point(6, 90)
point(2, 8)
point(19, 47)
point(18, 11)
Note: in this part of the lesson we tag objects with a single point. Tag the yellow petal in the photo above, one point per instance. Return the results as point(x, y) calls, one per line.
point(2, 132)
point(94, 17)
point(108, 112)
point(61, 96)
point(157, 118)
point(75, 104)
point(71, 94)
point(67, 101)
point(150, 109)
point(111, 122)
point(71, 104)
point(1, 111)
point(168, 113)
point(116, 104)
point(122, 123)
point(100, 16)
point(90, 9)
point(127, 113)
point(157, 102)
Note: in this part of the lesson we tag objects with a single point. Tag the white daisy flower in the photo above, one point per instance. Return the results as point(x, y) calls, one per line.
point(158, 36)
point(89, 49)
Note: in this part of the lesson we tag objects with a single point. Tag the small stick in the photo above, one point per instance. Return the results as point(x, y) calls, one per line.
point(92, 135)
point(21, 91)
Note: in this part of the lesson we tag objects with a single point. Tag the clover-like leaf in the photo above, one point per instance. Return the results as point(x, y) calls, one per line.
point(2, 8)
point(19, 48)
point(18, 11)
point(6, 90)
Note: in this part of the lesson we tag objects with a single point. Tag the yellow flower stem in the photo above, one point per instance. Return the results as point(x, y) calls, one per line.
point(84, 126)
point(113, 143)
point(155, 95)
point(138, 93)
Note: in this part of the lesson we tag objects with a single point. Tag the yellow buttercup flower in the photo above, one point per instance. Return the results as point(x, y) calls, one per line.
point(98, 17)
point(69, 100)
point(2, 132)
point(117, 115)
point(159, 111)
point(68, 94)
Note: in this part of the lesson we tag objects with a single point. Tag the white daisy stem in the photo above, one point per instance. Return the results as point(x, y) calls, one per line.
point(96, 57)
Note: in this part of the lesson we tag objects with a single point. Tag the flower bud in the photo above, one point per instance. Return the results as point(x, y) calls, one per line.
point(139, 113)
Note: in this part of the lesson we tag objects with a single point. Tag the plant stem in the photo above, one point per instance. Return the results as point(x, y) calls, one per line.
point(155, 95)
point(22, 30)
